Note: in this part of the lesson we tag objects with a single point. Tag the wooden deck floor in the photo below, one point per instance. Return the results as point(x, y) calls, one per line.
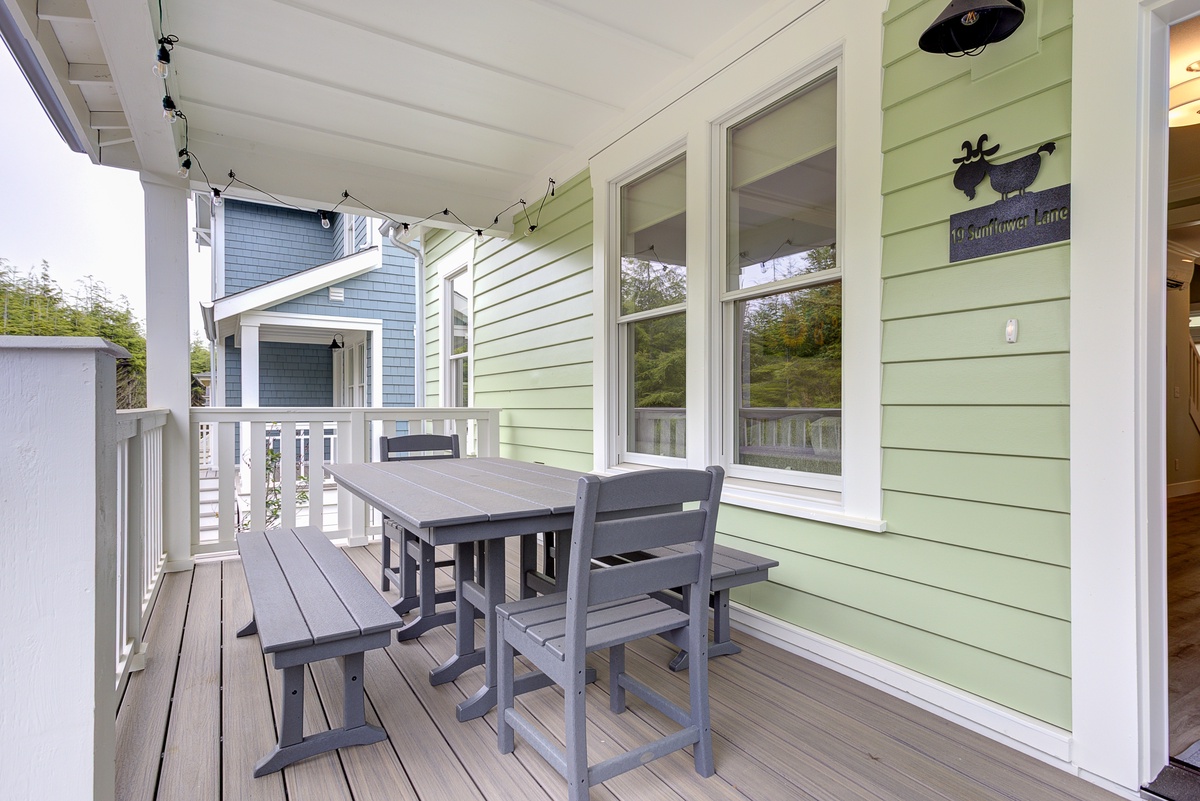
point(194, 722)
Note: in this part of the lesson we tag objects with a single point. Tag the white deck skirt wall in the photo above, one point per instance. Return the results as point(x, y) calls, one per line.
point(59, 593)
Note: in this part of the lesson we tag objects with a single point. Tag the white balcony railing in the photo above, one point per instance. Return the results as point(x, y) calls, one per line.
point(139, 516)
point(260, 468)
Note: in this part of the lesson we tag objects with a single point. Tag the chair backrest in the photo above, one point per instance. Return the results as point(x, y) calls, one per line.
point(637, 512)
point(412, 447)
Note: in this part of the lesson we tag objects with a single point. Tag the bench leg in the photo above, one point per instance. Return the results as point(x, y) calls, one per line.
point(721, 644)
point(248, 629)
point(293, 745)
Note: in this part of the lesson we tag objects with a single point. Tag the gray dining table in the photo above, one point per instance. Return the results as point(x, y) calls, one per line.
point(469, 503)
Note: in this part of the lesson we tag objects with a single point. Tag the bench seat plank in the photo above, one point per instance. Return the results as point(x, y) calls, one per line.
point(280, 623)
point(369, 610)
point(311, 603)
point(319, 602)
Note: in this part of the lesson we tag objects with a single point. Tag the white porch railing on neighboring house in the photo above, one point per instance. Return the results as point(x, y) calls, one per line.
point(269, 473)
point(138, 436)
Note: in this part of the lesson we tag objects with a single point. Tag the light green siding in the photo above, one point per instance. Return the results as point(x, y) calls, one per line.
point(970, 584)
point(532, 329)
point(975, 430)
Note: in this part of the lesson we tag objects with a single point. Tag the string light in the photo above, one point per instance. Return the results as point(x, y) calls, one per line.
point(162, 64)
point(324, 215)
point(185, 163)
point(170, 112)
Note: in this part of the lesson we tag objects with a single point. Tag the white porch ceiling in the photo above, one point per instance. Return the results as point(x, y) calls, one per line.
point(413, 108)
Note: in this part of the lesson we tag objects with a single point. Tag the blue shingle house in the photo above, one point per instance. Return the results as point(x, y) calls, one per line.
point(308, 308)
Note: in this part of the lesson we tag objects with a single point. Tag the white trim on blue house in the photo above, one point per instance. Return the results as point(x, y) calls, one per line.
point(297, 284)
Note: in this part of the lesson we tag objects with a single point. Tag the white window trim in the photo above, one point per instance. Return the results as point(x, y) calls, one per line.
point(831, 35)
point(459, 260)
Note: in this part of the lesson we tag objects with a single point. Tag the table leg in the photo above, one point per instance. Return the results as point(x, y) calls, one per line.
point(466, 656)
point(484, 699)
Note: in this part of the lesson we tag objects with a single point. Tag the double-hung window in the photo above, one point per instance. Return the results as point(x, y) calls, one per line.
point(458, 343)
point(651, 323)
point(781, 293)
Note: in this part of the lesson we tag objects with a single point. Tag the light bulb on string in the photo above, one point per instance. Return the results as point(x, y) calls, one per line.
point(324, 218)
point(185, 164)
point(162, 63)
point(170, 112)
point(217, 200)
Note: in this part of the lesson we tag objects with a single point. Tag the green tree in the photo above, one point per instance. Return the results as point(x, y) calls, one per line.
point(33, 304)
point(659, 343)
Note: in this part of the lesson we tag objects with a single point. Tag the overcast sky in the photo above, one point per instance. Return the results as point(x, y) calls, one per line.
point(57, 206)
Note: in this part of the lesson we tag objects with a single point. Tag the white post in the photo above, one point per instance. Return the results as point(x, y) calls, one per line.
point(59, 593)
point(168, 348)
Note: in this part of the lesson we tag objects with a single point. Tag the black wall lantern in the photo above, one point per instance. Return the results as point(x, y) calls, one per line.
point(968, 26)
point(338, 342)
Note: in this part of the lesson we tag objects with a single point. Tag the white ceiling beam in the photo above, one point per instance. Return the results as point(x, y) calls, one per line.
point(127, 36)
point(89, 73)
point(64, 11)
point(108, 120)
point(114, 137)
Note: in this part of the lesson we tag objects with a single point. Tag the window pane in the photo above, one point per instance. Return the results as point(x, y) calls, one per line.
point(789, 368)
point(783, 189)
point(657, 357)
point(460, 288)
point(653, 240)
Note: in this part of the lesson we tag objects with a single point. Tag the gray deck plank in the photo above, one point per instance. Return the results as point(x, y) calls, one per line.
point(321, 776)
point(372, 771)
point(247, 725)
point(142, 718)
point(191, 767)
point(783, 728)
point(497, 781)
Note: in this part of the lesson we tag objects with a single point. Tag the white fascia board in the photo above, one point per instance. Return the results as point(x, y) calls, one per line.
point(297, 285)
point(319, 326)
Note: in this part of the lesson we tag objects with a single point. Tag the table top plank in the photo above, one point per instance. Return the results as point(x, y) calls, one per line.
point(456, 492)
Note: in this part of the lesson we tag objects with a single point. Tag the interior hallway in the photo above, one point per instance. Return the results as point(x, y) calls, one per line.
point(1183, 620)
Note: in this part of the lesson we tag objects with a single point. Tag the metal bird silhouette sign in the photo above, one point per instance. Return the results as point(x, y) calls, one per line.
point(1019, 219)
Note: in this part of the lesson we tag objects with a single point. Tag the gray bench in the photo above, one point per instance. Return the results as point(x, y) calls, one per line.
point(731, 568)
point(311, 603)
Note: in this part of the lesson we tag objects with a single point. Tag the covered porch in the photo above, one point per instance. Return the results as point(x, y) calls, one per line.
point(202, 713)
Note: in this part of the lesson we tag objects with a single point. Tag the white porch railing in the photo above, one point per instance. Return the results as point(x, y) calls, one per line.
point(139, 516)
point(270, 474)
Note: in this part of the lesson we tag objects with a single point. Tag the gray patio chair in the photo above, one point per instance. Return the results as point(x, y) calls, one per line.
point(415, 575)
point(610, 607)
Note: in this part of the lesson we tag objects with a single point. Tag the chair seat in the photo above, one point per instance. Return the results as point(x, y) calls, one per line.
point(544, 620)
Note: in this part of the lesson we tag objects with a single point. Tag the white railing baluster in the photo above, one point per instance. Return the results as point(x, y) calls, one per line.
point(304, 447)
point(287, 474)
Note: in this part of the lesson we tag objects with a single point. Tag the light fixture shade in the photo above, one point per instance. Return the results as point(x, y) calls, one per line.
point(965, 27)
point(337, 343)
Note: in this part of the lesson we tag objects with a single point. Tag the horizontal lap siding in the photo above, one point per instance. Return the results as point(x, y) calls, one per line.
point(532, 352)
point(970, 584)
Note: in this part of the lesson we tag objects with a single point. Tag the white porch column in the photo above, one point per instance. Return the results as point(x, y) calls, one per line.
point(168, 348)
point(249, 337)
point(59, 592)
